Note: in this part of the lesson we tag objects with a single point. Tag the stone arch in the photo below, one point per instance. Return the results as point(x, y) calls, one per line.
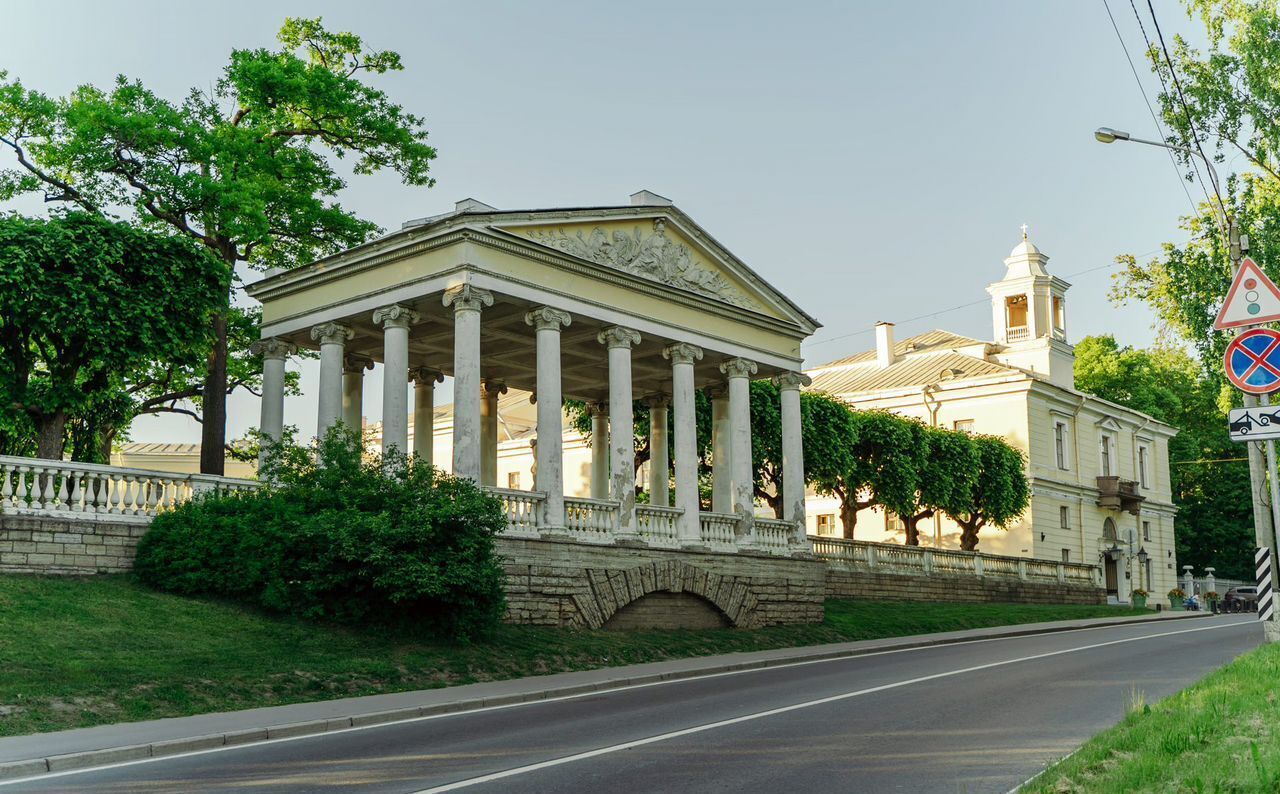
point(612, 589)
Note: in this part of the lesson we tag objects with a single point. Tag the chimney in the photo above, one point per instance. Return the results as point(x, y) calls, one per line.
point(884, 344)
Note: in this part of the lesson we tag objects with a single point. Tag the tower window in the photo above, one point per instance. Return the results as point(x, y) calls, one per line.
point(1059, 313)
point(1015, 307)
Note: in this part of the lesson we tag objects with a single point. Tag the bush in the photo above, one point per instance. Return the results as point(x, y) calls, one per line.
point(346, 538)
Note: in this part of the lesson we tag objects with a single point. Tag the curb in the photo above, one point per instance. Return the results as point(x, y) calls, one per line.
point(10, 770)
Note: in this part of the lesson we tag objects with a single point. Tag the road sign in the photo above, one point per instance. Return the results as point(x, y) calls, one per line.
point(1254, 424)
point(1253, 299)
point(1253, 361)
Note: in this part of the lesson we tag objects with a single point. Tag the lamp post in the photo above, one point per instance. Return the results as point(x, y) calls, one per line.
point(1264, 532)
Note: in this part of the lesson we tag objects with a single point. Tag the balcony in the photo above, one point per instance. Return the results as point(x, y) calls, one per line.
point(1117, 494)
point(1017, 333)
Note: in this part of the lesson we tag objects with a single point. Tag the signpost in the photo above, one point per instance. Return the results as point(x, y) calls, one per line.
point(1253, 361)
point(1259, 423)
point(1252, 300)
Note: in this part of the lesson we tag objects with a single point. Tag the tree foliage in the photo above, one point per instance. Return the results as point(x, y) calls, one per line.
point(999, 491)
point(240, 169)
point(881, 466)
point(79, 308)
point(947, 473)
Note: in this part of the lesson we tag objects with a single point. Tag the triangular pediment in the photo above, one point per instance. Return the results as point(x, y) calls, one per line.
point(1107, 423)
point(655, 249)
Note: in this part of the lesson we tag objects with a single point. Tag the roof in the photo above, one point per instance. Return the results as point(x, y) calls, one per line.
point(927, 358)
point(159, 448)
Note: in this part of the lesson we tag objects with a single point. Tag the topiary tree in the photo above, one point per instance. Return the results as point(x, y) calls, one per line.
point(948, 471)
point(875, 464)
point(999, 493)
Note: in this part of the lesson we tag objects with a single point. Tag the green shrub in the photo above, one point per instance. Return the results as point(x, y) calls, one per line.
point(337, 536)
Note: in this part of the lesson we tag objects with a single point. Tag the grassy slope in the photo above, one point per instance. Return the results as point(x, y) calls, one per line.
point(78, 652)
point(1219, 735)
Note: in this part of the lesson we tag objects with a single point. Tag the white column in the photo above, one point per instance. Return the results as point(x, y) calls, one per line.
point(353, 367)
point(467, 301)
point(599, 450)
point(659, 461)
point(739, 372)
point(274, 354)
point(789, 384)
point(490, 390)
point(424, 407)
point(622, 452)
point(684, 410)
point(549, 451)
point(721, 451)
point(333, 340)
point(395, 321)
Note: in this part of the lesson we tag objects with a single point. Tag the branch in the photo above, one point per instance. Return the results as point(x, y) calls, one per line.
point(69, 193)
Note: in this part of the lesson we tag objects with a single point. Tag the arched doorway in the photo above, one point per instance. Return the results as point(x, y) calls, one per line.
point(1110, 559)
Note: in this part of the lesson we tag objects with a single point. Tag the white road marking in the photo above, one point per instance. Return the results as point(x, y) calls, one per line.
point(610, 690)
point(710, 726)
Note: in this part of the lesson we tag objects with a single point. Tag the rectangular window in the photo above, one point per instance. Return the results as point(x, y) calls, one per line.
point(1146, 530)
point(513, 480)
point(827, 524)
point(964, 425)
point(1066, 555)
point(1106, 456)
point(1142, 467)
point(1064, 517)
point(1060, 444)
point(893, 522)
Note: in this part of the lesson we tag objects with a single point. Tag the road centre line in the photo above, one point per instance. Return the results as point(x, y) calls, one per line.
point(662, 737)
point(611, 690)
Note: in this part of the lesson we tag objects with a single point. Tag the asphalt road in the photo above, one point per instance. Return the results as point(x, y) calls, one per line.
point(973, 717)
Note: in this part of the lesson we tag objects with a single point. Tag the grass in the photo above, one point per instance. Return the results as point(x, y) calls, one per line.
point(76, 652)
point(1219, 735)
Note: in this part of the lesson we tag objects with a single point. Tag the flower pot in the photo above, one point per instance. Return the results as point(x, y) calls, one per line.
point(1175, 604)
point(1139, 602)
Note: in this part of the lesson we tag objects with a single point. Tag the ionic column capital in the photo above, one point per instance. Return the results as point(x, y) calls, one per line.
point(425, 375)
point(467, 297)
point(331, 333)
point(395, 316)
point(273, 348)
point(682, 353)
point(791, 380)
point(598, 408)
point(618, 336)
point(354, 362)
point(658, 401)
point(545, 318)
point(492, 387)
point(739, 368)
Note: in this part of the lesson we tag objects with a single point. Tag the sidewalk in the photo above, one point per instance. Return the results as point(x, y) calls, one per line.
point(21, 756)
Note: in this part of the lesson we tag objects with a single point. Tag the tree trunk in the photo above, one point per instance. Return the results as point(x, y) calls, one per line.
point(50, 431)
point(848, 518)
point(213, 435)
point(913, 533)
point(107, 439)
point(969, 533)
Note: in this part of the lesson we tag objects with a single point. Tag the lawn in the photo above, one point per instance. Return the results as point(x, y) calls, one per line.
point(1219, 735)
point(83, 651)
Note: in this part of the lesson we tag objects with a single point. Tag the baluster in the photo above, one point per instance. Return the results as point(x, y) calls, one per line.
point(63, 497)
point(46, 489)
point(117, 494)
point(6, 488)
point(130, 504)
point(24, 495)
point(73, 492)
point(153, 496)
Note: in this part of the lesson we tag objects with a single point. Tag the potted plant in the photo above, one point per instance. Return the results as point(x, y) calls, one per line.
point(1211, 601)
point(1176, 596)
point(1139, 598)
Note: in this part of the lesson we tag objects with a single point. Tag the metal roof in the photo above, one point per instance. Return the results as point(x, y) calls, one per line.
point(930, 357)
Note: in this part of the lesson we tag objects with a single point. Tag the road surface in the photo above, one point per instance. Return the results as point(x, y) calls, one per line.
point(974, 717)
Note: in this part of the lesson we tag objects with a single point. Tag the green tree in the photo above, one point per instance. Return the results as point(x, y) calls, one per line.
point(1000, 491)
point(1210, 483)
point(948, 470)
point(825, 426)
point(79, 307)
point(876, 465)
point(240, 169)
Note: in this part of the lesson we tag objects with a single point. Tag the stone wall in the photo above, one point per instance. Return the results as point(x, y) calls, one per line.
point(555, 582)
point(845, 582)
point(31, 544)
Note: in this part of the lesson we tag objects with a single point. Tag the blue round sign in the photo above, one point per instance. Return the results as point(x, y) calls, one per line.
point(1253, 361)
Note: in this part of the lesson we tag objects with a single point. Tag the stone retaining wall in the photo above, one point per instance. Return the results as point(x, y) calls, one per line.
point(67, 546)
point(843, 582)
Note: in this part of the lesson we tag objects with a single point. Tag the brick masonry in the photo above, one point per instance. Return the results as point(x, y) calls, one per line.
point(844, 582)
point(30, 544)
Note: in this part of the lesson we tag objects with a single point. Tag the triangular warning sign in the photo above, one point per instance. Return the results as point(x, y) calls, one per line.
point(1252, 300)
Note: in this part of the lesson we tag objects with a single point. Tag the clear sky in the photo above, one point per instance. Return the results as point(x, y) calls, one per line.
point(874, 161)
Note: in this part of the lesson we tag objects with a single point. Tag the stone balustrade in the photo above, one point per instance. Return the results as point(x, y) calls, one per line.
point(718, 530)
point(920, 560)
point(66, 489)
point(657, 525)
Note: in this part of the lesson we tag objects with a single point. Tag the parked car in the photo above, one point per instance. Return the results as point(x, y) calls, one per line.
point(1240, 599)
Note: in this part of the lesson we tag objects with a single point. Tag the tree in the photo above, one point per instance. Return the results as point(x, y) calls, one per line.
point(239, 169)
point(876, 465)
point(1210, 483)
point(948, 471)
point(825, 426)
point(79, 308)
point(1000, 492)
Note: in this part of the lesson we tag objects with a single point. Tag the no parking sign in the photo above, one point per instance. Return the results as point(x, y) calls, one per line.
point(1253, 361)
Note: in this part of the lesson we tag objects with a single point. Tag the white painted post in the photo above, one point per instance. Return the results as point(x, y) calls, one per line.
point(1188, 581)
point(721, 451)
point(490, 391)
point(789, 384)
point(467, 302)
point(622, 453)
point(683, 357)
point(599, 450)
point(739, 372)
point(395, 321)
point(333, 339)
point(424, 407)
point(549, 452)
point(659, 460)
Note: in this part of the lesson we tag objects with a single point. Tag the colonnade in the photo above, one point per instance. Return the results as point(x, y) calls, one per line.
point(613, 453)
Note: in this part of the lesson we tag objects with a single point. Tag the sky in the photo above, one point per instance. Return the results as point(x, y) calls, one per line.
point(873, 161)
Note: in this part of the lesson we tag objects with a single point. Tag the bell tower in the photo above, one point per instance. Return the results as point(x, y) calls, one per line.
point(1029, 314)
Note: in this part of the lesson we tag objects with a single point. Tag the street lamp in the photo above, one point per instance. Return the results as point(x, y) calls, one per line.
point(1108, 135)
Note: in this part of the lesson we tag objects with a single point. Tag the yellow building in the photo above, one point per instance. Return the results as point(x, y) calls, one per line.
point(1099, 472)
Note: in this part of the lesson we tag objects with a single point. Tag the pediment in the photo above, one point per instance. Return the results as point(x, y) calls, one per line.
point(654, 249)
point(1107, 423)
